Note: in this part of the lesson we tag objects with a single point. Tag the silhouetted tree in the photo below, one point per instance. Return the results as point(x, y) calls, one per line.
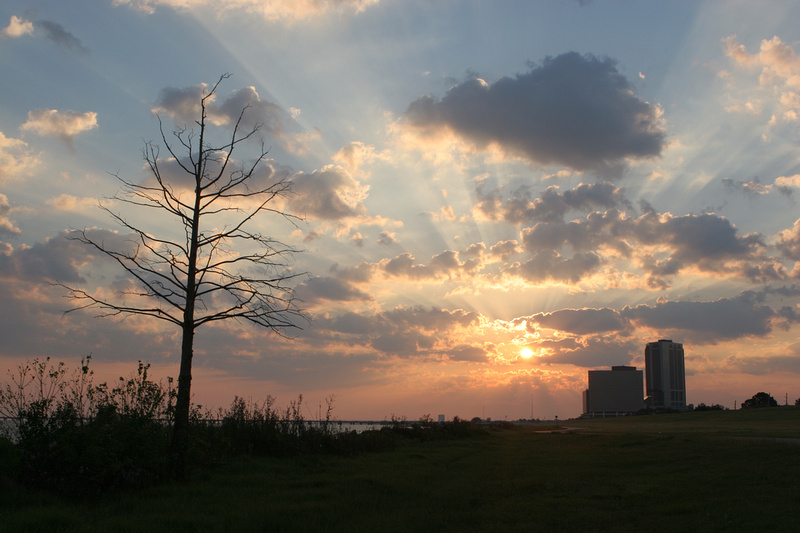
point(219, 269)
point(761, 399)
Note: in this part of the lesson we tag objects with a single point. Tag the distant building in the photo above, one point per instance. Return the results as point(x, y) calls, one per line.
point(665, 375)
point(613, 392)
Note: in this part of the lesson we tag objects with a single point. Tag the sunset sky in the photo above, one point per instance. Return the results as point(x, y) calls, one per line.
point(476, 178)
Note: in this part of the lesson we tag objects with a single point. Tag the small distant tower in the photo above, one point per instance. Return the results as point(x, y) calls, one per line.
point(665, 375)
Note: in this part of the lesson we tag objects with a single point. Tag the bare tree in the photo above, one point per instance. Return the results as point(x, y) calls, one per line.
point(219, 269)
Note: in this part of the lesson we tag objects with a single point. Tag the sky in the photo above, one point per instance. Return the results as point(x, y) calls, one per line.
point(496, 197)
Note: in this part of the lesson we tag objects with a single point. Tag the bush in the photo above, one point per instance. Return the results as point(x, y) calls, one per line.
point(74, 437)
point(71, 436)
point(713, 407)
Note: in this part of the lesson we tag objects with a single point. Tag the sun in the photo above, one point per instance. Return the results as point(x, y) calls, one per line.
point(526, 353)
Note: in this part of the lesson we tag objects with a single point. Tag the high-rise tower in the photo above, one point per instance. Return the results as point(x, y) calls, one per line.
point(665, 375)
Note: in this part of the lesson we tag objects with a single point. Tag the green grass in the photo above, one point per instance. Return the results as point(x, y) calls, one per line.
point(710, 471)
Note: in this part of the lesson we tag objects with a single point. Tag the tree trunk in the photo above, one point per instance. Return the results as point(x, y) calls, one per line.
point(180, 428)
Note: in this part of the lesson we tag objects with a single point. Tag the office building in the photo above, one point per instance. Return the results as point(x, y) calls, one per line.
point(613, 392)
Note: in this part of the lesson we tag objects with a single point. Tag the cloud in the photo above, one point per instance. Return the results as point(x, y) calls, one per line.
point(591, 353)
point(387, 238)
point(523, 206)
point(468, 352)
point(327, 194)
point(661, 244)
point(549, 265)
point(788, 241)
point(776, 59)
point(58, 258)
point(273, 10)
point(504, 250)
point(68, 202)
point(183, 106)
point(422, 332)
point(608, 248)
point(65, 125)
point(16, 160)
point(17, 27)
point(572, 110)
point(695, 238)
point(331, 289)
point(763, 365)
point(750, 188)
point(588, 234)
point(449, 264)
point(783, 184)
point(778, 66)
point(61, 37)
point(6, 226)
point(357, 239)
point(581, 321)
point(355, 156)
point(786, 184)
point(706, 322)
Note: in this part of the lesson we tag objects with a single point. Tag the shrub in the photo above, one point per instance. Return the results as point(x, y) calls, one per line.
point(71, 436)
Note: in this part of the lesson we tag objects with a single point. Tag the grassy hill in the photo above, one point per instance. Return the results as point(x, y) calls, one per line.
point(705, 471)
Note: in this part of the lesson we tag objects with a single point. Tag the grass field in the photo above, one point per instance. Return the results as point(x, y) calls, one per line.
point(708, 471)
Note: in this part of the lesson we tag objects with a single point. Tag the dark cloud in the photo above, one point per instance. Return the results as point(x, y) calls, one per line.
point(328, 288)
point(550, 265)
point(402, 343)
point(706, 322)
point(589, 234)
point(447, 264)
point(267, 173)
point(707, 242)
point(403, 332)
point(593, 353)
point(523, 206)
point(581, 321)
point(298, 366)
point(59, 258)
point(467, 352)
point(659, 245)
point(696, 238)
point(762, 365)
point(349, 323)
point(61, 37)
point(752, 188)
point(573, 110)
point(361, 273)
point(432, 318)
point(183, 105)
